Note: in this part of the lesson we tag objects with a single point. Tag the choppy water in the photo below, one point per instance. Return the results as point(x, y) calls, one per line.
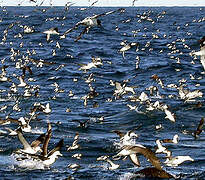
point(178, 27)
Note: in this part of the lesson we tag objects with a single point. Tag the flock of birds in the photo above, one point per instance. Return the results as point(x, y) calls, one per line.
point(37, 151)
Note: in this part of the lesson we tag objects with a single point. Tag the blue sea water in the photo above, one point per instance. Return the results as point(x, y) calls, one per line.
point(155, 29)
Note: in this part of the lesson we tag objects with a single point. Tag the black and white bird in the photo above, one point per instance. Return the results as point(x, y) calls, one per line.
point(53, 31)
point(127, 138)
point(112, 166)
point(75, 144)
point(89, 22)
point(201, 52)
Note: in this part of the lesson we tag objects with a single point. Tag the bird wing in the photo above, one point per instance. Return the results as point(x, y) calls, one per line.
point(83, 32)
point(107, 13)
point(149, 154)
point(71, 29)
point(199, 128)
point(2, 121)
point(118, 86)
point(134, 159)
point(94, 3)
point(39, 140)
point(202, 60)
point(21, 138)
point(119, 133)
point(56, 148)
point(76, 138)
point(46, 141)
point(13, 120)
point(201, 123)
point(41, 2)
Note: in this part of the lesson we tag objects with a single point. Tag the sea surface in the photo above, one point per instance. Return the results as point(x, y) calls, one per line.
point(165, 35)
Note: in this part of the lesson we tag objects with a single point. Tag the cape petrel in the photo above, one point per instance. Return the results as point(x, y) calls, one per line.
point(88, 22)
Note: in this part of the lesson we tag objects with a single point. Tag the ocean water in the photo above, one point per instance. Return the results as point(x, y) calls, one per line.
point(166, 36)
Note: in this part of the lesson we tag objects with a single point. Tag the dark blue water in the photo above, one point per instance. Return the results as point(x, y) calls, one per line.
point(178, 26)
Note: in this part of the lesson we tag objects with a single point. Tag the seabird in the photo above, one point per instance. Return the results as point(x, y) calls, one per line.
point(126, 47)
point(132, 151)
point(96, 62)
point(106, 158)
point(53, 31)
point(75, 144)
point(126, 138)
point(26, 68)
point(82, 124)
point(74, 166)
point(77, 156)
point(169, 114)
point(51, 157)
point(177, 160)
point(88, 22)
point(28, 29)
point(122, 89)
point(175, 139)
point(46, 109)
point(162, 149)
point(199, 128)
point(201, 52)
point(47, 158)
point(22, 83)
point(24, 125)
point(30, 149)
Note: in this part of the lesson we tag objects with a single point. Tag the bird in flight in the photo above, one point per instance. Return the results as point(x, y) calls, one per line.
point(89, 22)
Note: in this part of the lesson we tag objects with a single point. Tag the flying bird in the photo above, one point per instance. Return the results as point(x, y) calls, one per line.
point(88, 22)
point(53, 31)
point(113, 166)
point(132, 151)
point(201, 52)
